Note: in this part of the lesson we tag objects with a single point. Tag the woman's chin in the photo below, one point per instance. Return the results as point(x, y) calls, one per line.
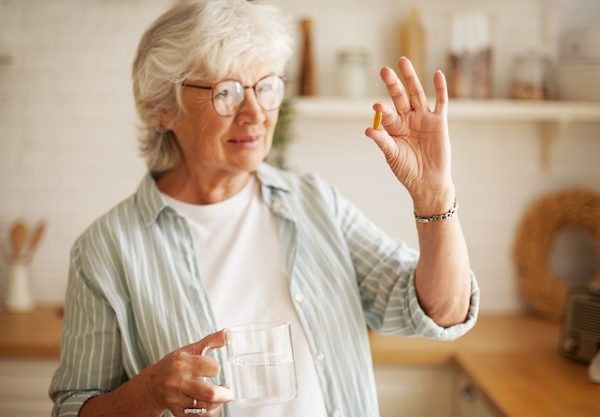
point(249, 164)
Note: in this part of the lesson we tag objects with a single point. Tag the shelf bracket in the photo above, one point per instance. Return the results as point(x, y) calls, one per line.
point(549, 132)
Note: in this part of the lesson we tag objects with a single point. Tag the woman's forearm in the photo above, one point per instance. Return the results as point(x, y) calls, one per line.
point(443, 274)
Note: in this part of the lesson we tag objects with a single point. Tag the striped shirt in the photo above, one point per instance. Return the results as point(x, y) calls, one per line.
point(135, 294)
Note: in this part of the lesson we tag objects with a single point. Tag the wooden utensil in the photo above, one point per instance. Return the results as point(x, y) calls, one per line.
point(18, 237)
point(36, 237)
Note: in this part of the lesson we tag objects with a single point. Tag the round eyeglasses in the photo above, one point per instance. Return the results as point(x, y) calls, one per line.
point(228, 95)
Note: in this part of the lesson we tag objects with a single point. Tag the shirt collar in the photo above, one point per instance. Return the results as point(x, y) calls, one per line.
point(271, 177)
point(151, 203)
point(149, 200)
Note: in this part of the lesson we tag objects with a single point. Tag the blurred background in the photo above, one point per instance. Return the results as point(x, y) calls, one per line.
point(68, 148)
point(524, 77)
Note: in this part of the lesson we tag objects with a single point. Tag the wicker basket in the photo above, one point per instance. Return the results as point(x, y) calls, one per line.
point(544, 292)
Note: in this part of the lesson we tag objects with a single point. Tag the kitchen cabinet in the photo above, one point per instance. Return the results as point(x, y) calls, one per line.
point(429, 391)
point(469, 399)
point(507, 365)
point(416, 391)
point(24, 387)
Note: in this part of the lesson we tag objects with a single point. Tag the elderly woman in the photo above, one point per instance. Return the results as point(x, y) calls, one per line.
point(214, 237)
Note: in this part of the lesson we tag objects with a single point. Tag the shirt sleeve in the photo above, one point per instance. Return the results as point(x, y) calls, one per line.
point(385, 271)
point(90, 359)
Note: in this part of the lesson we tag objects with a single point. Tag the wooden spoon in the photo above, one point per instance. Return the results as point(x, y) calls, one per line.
point(36, 237)
point(18, 236)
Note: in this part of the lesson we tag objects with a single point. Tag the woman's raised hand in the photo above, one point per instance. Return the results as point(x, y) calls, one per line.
point(414, 138)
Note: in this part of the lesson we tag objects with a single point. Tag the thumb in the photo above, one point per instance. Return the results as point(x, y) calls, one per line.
point(383, 140)
point(212, 341)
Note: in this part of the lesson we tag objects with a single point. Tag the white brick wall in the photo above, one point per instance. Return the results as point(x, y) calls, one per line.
point(68, 149)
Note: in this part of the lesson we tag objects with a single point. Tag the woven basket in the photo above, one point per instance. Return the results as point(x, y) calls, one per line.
point(544, 292)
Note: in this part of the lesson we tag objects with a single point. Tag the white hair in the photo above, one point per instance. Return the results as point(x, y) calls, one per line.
point(200, 39)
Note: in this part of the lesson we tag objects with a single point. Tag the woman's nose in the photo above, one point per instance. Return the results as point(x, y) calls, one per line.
point(251, 111)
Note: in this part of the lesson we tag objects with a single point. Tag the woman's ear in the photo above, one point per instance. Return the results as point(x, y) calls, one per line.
point(166, 119)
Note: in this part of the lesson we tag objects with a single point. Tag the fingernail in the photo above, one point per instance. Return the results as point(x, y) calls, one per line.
point(224, 394)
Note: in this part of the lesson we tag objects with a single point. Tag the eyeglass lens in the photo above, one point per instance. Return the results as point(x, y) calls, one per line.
point(228, 95)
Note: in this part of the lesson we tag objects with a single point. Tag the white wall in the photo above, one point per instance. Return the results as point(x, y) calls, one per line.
point(497, 173)
point(68, 150)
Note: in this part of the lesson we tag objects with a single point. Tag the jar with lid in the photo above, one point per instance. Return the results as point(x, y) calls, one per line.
point(470, 59)
point(532, 77)
point(352, 73)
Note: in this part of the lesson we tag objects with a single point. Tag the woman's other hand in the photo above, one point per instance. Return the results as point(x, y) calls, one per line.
point(178, 379)
point(415, 139)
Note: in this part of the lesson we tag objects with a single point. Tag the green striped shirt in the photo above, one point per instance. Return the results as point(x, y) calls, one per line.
point(135, 294)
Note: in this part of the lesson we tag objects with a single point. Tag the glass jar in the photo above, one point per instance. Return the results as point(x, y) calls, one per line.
point(352, 73)
point(470, 59)
point(532, 77)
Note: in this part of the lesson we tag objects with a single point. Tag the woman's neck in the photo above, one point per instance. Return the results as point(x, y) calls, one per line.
point(194, 187)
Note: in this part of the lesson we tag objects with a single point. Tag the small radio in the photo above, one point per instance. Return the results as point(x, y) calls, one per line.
point(580, 339)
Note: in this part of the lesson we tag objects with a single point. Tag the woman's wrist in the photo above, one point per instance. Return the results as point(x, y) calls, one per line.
point(433, 201)
point(146, 378)
point(133, 398)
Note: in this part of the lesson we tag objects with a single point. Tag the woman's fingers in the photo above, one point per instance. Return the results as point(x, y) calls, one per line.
point(396, 89)
point(206, 394)
point(199, 388)
point(389, 115)
point(407, 96)
point(203, 366)
point(210, 393)
point(418, 100)
point(383, 140)
point(211, 408)
point(441, 92)
point(180, 377)
point(212, 341)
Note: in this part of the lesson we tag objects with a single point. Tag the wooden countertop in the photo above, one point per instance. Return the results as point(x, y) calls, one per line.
point(31, 335)
point(512, 359)
point(492, 334)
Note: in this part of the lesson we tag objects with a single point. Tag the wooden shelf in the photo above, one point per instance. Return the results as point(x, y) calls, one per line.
point(552, 117)
point(335, 108)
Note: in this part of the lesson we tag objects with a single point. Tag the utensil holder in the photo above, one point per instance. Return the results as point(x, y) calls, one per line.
point(18, 293)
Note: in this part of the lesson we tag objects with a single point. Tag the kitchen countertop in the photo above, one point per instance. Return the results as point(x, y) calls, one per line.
point(512, 359)
point(32, 335)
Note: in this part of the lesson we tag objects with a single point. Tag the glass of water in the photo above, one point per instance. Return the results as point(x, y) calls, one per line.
point(261, 364)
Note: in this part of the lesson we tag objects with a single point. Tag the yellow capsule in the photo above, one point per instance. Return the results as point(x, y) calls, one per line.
point(377, 120)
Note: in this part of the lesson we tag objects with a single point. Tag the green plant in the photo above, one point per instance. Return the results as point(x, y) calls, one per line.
point(282, 136)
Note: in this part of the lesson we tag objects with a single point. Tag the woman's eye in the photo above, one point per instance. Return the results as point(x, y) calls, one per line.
point(222, 93)
point(265, 88)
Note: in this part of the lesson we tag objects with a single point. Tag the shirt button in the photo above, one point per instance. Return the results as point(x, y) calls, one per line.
point(298, 297)
point(320, 356)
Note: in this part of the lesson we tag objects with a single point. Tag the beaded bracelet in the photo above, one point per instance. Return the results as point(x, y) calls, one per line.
point(437, 217)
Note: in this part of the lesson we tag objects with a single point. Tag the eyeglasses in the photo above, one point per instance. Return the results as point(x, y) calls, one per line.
point(228, 95)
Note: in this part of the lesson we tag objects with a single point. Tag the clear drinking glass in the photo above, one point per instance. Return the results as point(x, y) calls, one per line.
point(261, 364)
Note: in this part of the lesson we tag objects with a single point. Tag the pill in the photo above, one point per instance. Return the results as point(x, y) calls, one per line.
point(377, 120)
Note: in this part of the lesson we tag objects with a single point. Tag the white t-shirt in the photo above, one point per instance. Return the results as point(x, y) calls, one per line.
point(242, 268)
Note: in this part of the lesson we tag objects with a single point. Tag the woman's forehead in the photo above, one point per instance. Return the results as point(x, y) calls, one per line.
point(247, 74)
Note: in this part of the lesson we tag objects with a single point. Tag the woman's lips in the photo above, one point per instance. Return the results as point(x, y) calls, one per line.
point(245, 141)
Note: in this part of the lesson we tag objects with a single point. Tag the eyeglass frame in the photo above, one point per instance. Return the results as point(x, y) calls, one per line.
point(244, 87)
